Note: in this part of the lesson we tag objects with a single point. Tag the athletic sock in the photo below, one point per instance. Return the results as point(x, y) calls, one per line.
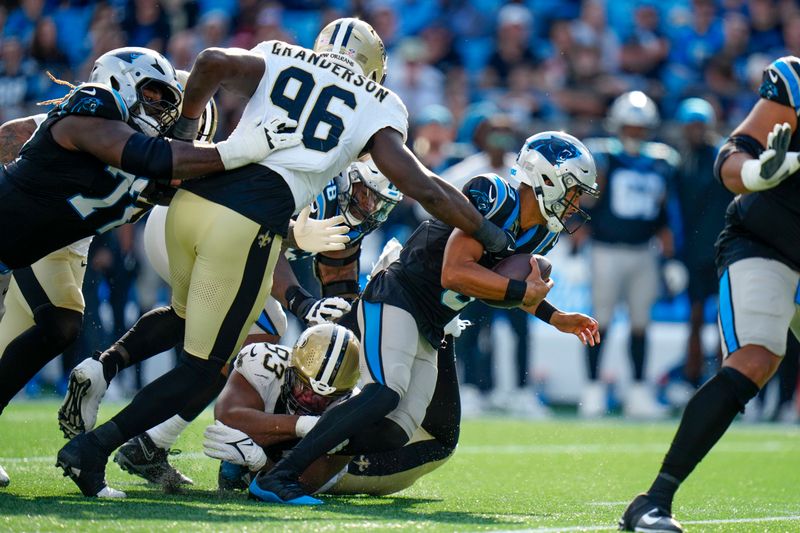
point(638, 343)
point(167, 432)
point(336, 426)
point(593, 358)
point(707, 416)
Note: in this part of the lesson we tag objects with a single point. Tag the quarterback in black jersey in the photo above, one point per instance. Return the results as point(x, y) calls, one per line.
point(758, 262)
point(405, 307)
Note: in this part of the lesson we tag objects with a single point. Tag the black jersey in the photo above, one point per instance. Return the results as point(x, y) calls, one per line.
point(413, 282)
point(767, 223)
point(632, 208)
point(51, 197)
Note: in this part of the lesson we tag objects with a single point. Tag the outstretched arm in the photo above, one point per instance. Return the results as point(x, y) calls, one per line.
point(438, 197)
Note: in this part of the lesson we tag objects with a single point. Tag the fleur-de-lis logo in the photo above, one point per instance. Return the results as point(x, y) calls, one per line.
point(264, 239)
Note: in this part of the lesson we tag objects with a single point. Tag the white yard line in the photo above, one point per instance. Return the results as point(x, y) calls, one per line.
point(608, 527)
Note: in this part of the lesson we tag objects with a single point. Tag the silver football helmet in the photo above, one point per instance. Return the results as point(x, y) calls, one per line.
point(353, 42)
point(633, 108)
point(560, 169)
point(130, 71)
point(365, 196)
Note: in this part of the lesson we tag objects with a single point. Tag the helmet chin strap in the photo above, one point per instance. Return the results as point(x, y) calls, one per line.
point(553, 223)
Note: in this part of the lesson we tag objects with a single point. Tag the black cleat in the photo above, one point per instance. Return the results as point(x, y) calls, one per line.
point(644, 515)
point(272, 488)
point(141, 457)
point(233, 477)
point(85, 464)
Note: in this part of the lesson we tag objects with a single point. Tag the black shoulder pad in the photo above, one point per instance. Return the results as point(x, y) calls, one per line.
point(94, 100)
point(780, 82)
point(494, 198)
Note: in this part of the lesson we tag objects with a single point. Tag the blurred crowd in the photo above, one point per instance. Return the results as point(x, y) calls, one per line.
point(477, 76)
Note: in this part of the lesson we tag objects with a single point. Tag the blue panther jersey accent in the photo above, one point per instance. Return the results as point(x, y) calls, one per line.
point(51, 197)
point(632, 208)
point(325, 205)
point(413, 282)
point(767, 223)
point(780, 82)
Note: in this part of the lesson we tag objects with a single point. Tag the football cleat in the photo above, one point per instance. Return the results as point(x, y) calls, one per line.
point(85, 464)
point(141, 457)
point(593, 401)
point(271, 488)
point(233, 477)
point(644, 515)
point(85, 389)
point(4, 479)
point(641, 404)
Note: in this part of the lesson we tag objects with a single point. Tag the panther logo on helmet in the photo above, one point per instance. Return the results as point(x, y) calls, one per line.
point(560, 169)
point(147, 83)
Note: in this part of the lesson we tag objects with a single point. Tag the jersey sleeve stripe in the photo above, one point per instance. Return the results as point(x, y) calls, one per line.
point(791, 78)
point(266, 324)
point(502, 194)
point(546, 241)
point(526, 237)
point(123, 109)
point(512, 217)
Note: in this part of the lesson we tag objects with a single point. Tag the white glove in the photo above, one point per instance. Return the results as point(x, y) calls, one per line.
point(229, 444)
point(676, 276)
point(324, 235)
point(326, 310)
point(252, 141)
point(456, 326)
point(775, 164)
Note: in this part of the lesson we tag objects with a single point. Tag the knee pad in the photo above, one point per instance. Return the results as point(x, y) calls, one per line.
point(62, 326)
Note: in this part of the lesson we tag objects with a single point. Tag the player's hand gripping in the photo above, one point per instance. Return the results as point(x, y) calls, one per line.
point(775, 164)
point(537, 287)
point(323, 235)
point(252, 141)
point(326, 310)
point(229, 444)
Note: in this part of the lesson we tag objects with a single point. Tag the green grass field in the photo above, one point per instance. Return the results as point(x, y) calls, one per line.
point(506, 475)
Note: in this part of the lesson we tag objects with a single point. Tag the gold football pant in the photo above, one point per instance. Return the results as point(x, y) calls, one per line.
point(55, 279)
point(220, 265)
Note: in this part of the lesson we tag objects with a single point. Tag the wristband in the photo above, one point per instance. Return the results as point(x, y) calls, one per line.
point(304, 425)
point(515, 291)
point(185, 129)
point(299, 300)
point(544, 311)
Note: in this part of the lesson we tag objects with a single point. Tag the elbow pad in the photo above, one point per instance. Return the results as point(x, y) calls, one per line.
point(149, 157)
point(736, 143)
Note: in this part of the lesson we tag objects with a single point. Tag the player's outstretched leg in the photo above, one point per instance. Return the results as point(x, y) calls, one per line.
point(85, 388)
point(156, 331)
point(84, 461)
point(4, 479)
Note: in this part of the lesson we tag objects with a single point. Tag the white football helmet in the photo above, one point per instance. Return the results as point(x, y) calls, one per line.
point(633, 108)
point(554, 163)
point(365, 195)
point(354, 43)
point(131, 69)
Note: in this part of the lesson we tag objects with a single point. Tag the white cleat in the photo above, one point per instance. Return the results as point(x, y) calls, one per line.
point(108, 492)
point(641, 404)
point(522, 403)
point(593, 400)
point(4, 479)
point(86, 387)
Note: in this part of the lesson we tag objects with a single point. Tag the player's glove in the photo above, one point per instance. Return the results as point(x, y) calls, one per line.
point(229, 444)
point(252, 141)
point(775, 164)
point(324, 235)
point(326, 310)
point(456, 326)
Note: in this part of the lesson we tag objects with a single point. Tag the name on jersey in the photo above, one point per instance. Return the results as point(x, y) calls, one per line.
point(358, 80)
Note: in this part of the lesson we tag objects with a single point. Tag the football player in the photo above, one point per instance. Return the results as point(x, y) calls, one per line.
point(405, 307)
point(758, 263)
point(361, 195)
point(224, 238)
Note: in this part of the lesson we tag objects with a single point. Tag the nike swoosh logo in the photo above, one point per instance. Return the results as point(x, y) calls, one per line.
point(773, 76)
point(492, 197)
point(650, 520)
point(89, 92)
point(147, 453)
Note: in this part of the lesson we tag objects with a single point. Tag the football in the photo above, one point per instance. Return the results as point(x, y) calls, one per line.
point(518, 267)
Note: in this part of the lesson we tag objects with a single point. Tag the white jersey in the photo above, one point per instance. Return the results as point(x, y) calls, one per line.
point(264, 366)
point(337, 110)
